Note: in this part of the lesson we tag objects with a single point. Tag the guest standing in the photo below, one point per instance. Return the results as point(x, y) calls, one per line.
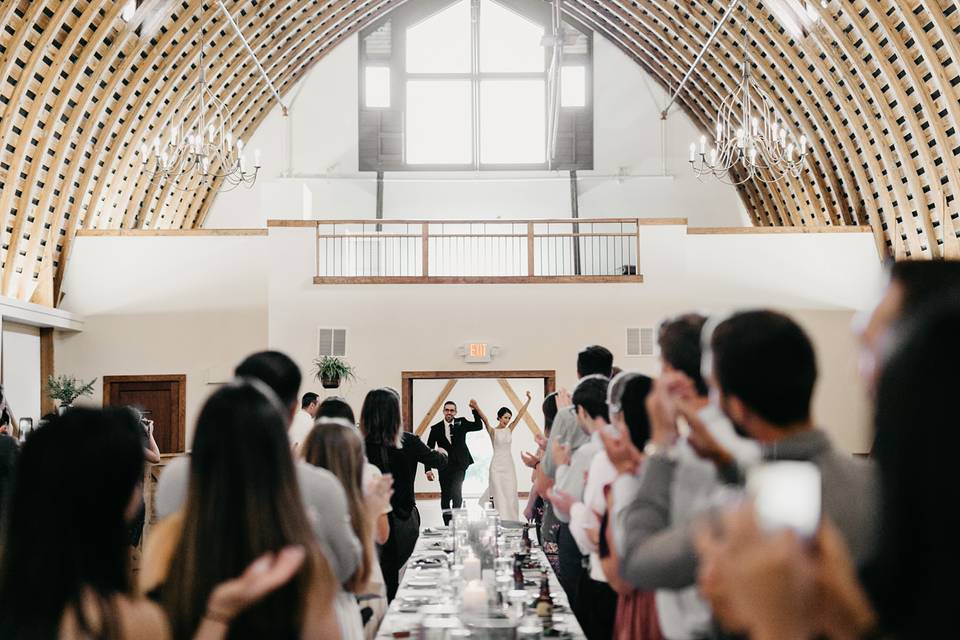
point(303, 420)
point(243, 500)
point(398, 453)
point(338, 448)
point(65, 568)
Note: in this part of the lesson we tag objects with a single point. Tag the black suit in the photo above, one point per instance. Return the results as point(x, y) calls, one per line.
point(458, 459)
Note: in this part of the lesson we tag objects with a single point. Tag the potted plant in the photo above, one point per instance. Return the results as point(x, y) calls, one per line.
point(331, 371)
point(65, 389)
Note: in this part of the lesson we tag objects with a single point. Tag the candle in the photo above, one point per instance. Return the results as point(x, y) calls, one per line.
point(693, 151)
point(474, 597)
point(471, 568)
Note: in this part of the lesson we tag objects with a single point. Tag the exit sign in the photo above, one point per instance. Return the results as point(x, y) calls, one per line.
point(476, 352)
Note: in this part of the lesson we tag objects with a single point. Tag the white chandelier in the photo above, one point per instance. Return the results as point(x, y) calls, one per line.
point(750, 141)
point(194, 154)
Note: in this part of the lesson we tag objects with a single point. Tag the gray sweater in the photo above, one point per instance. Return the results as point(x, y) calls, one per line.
point(658, 555)
point(323, 498)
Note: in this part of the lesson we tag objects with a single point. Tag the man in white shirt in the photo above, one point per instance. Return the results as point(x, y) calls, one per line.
point(302, 423)
point(594, 603)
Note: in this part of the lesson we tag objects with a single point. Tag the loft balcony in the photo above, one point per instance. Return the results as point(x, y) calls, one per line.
point(396, 251)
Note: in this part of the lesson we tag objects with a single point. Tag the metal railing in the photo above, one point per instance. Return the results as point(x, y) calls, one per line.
point(477, 251)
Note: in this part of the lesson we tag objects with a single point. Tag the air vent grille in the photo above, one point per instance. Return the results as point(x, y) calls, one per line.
point(332, 342)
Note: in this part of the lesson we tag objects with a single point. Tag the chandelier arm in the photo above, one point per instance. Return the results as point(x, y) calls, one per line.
point(700, 56)
point(256, 61)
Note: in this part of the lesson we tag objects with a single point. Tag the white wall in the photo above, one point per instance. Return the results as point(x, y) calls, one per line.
point(196, 303)
point(823, 279)
point(318, 144)
point(21, 369)
point(193, 305)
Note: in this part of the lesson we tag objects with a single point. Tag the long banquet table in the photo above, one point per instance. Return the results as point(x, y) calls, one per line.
point(428, 592)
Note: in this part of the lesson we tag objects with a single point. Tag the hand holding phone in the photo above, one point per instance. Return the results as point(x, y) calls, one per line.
point(786, 495)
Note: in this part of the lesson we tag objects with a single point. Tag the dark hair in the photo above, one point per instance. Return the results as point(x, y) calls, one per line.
point(502, 411)
point(243, 500)
point(679, 340)
point(765, 359)
point(591, 394)
point(380, 417)
point(911, 580)
point(66, 531)
point(549, 407)
point(594, 359)
point(308, 399)
point(339, 449)
point(633, 403)
point(450, 402)
point(336, 408)
point(276, 370)
point(9, 450)
point(925, 280)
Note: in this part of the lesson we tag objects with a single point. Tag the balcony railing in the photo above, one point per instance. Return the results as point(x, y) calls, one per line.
point(395, 251)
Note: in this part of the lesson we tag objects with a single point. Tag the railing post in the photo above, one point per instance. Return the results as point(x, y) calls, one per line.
point(530, 262)
point(425, 247)
point(637, 266)
point(317, 231)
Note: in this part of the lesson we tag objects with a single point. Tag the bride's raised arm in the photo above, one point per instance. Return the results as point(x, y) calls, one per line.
point(521, 413)
point(483, 417)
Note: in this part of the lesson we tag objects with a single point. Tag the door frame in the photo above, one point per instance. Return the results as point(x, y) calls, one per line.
point(407, 377)
point(181, 426)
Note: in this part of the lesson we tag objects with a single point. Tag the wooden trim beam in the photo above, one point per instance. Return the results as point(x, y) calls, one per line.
point(629, 279)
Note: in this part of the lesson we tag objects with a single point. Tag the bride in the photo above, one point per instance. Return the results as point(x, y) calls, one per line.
point(503, 474)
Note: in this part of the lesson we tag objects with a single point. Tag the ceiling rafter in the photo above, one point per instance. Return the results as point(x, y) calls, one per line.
point(874, 87)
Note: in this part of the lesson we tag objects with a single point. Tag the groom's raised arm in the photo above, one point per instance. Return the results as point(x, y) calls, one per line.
point(476, 425)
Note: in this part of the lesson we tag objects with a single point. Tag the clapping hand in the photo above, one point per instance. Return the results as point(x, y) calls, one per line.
point(379, 492)
point(541, 441)
point(561, 500)
point(430, 476)
point(473, 404)
point(701, 440)
point(529, 459)
point(623, 454)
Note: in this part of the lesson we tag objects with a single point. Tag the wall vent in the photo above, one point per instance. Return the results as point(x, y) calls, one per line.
point(640, 341)
point(332, 342)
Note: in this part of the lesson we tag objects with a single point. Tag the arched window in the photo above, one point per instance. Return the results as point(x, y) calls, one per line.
point(464, 85)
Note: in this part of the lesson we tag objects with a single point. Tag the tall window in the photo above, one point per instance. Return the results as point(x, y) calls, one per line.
point(463, 85)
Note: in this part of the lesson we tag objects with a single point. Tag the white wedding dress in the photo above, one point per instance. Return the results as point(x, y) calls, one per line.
point(503, 476)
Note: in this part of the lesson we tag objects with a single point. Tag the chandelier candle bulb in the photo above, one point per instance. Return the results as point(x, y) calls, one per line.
point(256, 158)
point(693, 152)
point(703, 145)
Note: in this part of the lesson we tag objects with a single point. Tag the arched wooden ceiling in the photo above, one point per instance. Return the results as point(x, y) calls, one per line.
point(874, 86)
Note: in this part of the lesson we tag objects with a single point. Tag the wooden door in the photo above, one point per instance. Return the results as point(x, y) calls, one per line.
point(164, 396)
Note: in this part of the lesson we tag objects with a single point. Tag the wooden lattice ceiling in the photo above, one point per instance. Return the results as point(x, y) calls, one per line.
point(875, 87)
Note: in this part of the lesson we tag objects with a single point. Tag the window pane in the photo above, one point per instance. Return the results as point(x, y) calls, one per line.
point(512, 127)
point(508, 41)
point(573, 87)
point(441, 43)
point(438, 122)
point(377, 87)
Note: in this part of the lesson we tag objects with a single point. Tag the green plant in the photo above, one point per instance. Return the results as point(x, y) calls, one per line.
point(333, 368)
point(65, 389)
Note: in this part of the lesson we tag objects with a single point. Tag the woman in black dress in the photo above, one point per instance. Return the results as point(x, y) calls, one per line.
point(396, 452)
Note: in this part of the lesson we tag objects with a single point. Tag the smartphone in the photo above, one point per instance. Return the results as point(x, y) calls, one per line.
point(786, 495)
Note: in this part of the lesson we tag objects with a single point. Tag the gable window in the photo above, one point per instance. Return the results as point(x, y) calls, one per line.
point(463, 85)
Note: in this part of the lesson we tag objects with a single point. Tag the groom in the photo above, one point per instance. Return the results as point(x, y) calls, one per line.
point(450, 434)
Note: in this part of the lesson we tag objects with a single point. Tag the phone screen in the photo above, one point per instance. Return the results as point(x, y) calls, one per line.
point(786, 495)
